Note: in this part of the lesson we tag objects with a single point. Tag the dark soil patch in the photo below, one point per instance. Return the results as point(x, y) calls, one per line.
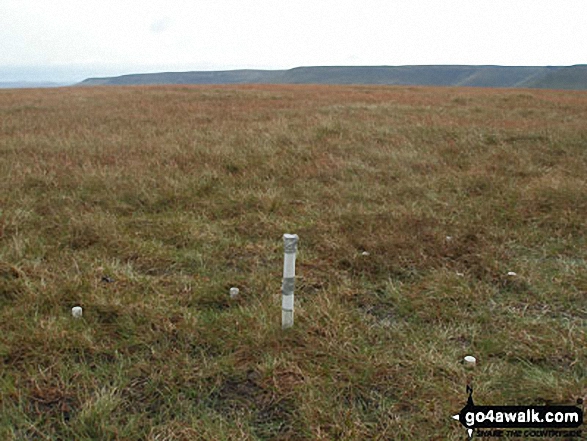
point(270, 416)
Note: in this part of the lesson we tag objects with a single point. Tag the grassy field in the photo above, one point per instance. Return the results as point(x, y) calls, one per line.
point(145, 205)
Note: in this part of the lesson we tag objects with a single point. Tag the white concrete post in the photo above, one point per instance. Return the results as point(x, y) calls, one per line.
point(76, 311)
point(470, 361)
point(289, 273)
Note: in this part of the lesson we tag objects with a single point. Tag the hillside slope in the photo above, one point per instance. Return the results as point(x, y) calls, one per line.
point(573, 77)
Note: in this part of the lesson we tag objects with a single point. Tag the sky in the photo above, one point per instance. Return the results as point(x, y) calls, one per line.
point(70, 40)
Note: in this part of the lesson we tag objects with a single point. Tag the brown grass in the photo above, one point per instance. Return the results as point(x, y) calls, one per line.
point(175, 194)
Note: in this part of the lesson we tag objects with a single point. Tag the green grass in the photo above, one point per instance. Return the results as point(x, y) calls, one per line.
point(179, 193)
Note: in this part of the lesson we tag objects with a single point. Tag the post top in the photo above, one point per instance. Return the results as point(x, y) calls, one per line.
point(290, 242)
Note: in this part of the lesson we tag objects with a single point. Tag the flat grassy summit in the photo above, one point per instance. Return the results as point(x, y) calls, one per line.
point(573, 77)
point(434, 223)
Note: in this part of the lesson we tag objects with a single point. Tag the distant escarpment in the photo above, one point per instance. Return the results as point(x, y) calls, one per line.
point(549, 77)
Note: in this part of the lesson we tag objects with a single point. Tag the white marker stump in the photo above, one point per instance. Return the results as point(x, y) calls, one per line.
point(76, 311)
point(233, 293)
point(289, 274)
point(470, 362)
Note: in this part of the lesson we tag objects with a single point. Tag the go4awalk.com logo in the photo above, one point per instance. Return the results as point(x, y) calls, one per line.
point(520, 421)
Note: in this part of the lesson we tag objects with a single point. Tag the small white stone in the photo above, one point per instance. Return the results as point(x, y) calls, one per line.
point(364, 253)
point(234, 293)
point(512, 274)
point(461, 274)
point(448, 238)
point(470, 361)
point(76, 311)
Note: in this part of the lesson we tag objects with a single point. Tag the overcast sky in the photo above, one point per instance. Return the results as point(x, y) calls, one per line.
point(69, 40)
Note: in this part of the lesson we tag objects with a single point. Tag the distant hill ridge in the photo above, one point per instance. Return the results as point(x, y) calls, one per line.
point(30, 84)
point(546, 77)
